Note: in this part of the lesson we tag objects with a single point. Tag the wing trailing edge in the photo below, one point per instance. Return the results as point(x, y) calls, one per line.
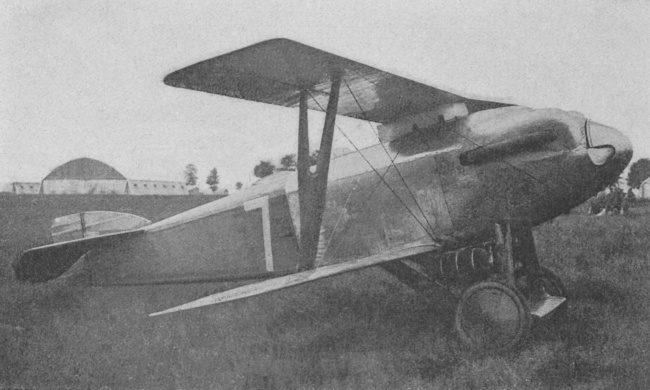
point(283, 282)
point(277, 70)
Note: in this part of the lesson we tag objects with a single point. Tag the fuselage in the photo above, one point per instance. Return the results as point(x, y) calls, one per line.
point(448, 183)
point(432, 194)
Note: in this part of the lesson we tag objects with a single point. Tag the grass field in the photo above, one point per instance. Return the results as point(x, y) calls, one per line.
point(362, 330)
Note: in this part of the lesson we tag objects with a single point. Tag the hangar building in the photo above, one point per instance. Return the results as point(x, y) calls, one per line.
point(90, 176)
point(84, 176)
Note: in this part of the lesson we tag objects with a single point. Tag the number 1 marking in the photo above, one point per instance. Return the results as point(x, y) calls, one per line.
point(263, 203)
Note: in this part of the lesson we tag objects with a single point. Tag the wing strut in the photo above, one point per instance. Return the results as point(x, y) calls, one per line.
point(312, 187)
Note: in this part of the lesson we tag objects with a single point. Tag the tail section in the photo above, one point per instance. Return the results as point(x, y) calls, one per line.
point(93, 224)
point(74, 235)
point(47, 262)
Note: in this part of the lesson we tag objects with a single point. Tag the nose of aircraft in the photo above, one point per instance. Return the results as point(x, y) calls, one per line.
point(606, 145)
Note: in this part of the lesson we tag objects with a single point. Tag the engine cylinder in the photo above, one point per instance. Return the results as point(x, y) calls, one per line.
point(462, 262)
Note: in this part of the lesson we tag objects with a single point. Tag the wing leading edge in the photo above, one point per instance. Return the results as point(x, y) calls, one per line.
point(275, 71)
point(283, 282)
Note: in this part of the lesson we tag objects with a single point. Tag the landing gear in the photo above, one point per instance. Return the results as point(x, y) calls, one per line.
point(493, 317)
point(497, 315)
point(498, 287)
point(532, 286)
point(544, 290)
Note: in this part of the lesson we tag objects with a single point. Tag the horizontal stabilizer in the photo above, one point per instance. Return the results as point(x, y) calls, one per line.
point(93, 224)
point(275, 71)
point(47, 262)
point(300, 278)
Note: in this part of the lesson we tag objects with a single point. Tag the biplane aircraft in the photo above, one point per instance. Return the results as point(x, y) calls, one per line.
point(445, 201)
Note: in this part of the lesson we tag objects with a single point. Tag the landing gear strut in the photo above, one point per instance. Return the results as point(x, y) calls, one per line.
point(497, 314)
point(498, 291)
point(545, 289)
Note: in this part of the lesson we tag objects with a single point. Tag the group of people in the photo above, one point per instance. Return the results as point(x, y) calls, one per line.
point(612, 201)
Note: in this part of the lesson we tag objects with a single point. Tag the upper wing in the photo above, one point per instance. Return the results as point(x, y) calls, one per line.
point(301, 277)
point(275, 71)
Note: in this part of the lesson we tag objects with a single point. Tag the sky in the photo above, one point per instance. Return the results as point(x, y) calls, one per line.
point(82, 78)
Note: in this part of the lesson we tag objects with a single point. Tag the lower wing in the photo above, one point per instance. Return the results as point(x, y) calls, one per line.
point(301, 277)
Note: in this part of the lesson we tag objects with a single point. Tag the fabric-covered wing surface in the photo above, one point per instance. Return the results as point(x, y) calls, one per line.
point(283, 282)
point(275, 71)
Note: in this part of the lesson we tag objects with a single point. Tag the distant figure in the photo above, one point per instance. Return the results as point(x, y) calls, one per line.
point(598, 204)
point(615, 201)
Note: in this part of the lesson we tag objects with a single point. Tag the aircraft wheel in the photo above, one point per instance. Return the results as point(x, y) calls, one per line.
point(544, 281)
point(491, 316)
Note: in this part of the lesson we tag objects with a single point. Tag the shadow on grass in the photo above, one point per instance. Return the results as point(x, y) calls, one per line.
point(12, 364)
point(566, 369)
point(584, 333)
point(351, 327)
point(582, 322)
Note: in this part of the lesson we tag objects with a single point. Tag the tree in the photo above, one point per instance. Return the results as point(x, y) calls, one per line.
point(190, 175)
point(263, 169)
point(213, 179)
point(239, 185)
point(639, 171)
point(288, 163)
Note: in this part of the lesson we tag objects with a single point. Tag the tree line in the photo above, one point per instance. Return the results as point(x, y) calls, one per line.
point(616, 199)
point(262, 169)
point(287, 163)
point(191, 177)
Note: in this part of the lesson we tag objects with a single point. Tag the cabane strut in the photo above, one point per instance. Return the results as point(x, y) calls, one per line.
point(312, 187)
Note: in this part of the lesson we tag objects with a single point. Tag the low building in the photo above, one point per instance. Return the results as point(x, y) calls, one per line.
point(26, 188)
point(155, 187)
point(644, 189)
point(87, 176)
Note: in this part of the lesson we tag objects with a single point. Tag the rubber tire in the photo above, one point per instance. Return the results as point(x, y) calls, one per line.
point(468, 299)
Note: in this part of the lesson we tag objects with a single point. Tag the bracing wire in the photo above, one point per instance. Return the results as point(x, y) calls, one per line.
point(473, 142)
point(429, 233)
point(336, 225)
point(392, 162)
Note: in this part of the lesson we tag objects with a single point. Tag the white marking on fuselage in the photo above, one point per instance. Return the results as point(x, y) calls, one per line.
point(263, 203)
point(270, 188)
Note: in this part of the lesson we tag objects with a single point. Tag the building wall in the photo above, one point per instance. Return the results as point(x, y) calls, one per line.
point(645, 189)
point(156, 187)
point(103, 187)
point(94, 187)
point(26, 188)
